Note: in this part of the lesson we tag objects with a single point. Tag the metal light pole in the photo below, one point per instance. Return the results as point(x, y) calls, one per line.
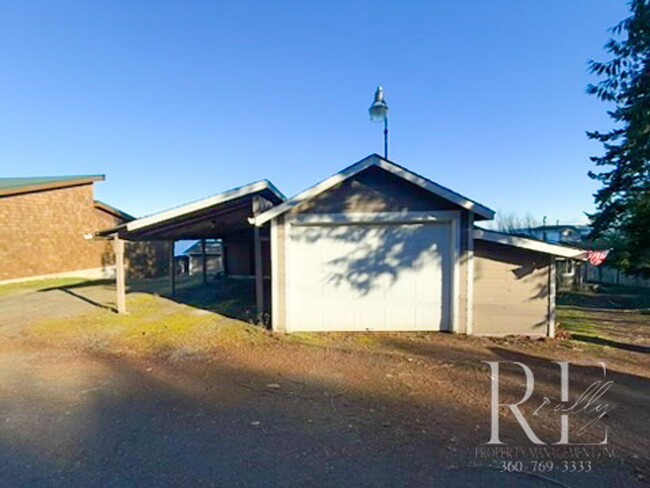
point(379, 113)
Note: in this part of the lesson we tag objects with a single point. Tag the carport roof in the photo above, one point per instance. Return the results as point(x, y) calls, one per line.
point(213, 217)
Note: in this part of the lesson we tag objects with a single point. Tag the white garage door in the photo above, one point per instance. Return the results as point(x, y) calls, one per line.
point(368, 277)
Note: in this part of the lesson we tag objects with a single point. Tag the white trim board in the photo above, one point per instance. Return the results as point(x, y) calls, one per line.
point(275, 278)
point(374, 160)
point(205, 203)
point(374, 218)
point(530, 244)
point(551, 297)
point(469, 314)
point(454, 298)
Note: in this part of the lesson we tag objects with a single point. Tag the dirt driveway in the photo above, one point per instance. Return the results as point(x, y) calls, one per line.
point(176, 395)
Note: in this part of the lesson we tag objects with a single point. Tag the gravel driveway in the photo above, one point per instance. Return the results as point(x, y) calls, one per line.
point(405, 411)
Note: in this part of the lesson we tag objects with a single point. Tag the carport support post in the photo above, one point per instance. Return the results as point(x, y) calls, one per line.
point(552, 284)
point(259, 277)
point(172, 269)
point(120, 285)
point(205, 262)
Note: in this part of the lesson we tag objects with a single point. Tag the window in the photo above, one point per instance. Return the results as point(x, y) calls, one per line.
point(566, 268)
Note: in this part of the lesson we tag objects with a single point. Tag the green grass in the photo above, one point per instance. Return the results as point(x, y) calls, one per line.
point(36, 285)
point(233, 298)
point(614, 297)
point(577, 321)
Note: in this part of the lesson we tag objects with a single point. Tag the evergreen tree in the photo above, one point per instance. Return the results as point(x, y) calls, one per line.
point(623, 202)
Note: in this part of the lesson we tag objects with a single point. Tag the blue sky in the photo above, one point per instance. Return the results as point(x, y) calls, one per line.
point(175, 101)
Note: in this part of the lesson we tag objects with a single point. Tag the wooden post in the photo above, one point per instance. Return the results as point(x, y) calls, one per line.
point(120, 282)
point(205, 262)
point(172, 269)
point(259, 276)
point(551, 297)
point(224, 258)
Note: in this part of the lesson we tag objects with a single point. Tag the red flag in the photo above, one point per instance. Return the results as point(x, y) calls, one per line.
point(596, 258)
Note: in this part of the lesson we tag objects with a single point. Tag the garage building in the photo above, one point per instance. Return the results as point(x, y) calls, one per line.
point(374, 247)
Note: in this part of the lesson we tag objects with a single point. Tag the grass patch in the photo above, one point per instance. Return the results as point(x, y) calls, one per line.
point(234, 298)
point(308, 338)
point(608, 297)
point(36, 285)
point(575, 320)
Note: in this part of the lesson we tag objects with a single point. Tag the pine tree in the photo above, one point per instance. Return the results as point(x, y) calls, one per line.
point(623, 202)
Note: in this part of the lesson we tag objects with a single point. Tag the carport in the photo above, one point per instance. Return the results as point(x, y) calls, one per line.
point(223, 216)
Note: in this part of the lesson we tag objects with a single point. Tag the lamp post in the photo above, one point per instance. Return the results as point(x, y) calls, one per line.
point(379, 113)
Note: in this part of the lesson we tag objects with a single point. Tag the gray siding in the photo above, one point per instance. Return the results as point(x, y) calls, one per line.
point(511, 290)
point(374, 190)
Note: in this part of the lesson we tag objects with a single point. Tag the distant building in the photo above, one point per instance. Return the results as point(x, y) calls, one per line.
point(213, 253)
point(558, 234)
point(43, 221)
point(570, 272)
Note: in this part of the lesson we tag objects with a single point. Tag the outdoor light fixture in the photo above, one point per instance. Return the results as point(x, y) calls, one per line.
point(379, 113)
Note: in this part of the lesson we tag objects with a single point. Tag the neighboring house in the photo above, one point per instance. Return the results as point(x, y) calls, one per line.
point(374, 247)
point(212, 257)
point(574, 274)
point(43, 221)
point(574, 235)
point(569, 272)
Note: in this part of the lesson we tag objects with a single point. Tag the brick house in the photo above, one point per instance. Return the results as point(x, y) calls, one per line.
point(43, 222)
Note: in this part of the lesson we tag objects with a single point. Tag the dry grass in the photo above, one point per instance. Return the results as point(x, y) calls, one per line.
point(154, 326)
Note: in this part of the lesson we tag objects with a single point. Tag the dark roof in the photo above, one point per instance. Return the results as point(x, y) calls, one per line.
point(579, 227)
point(211, 247)
point(14, 186)
point(114, 211)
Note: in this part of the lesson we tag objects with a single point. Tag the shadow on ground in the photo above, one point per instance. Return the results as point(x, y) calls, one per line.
point(601, 341)
point(103, 421)
point(233, 298)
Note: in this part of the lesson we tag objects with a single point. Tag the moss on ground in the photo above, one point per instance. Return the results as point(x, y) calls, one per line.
point(153, 326)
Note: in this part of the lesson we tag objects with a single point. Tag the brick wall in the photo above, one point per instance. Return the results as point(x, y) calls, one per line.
point(43, 233)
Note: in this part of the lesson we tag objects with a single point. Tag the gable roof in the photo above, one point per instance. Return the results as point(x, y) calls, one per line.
point(105, 207)
point(15, 186)
point(211, 248)
point(529, 244)
point(374, 160)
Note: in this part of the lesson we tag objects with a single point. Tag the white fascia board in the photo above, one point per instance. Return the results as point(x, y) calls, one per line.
point(306, 219)
point(365, 163)
point(205, 203)
point(312, 192)
point(439, 190)
point(530, 244)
